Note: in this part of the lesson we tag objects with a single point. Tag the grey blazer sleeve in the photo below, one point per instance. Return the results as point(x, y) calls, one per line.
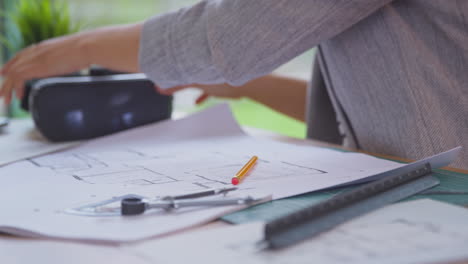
point(235, 41)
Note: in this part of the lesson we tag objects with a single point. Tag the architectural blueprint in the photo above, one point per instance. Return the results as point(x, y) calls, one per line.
point(198, 153)
point(137, 167)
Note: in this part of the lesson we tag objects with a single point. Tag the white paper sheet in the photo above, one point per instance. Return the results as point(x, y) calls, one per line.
point(422, 231)
point(20, 140)
point(21, 251)
point(174, 157)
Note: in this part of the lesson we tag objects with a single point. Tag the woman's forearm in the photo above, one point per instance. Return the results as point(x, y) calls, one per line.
point(114, 47)
point(285, 95)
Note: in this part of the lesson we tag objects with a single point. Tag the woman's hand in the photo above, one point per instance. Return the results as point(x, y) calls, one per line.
point(53, 57)
point(113, 47)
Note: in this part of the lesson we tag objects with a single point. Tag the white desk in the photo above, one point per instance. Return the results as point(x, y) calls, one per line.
point(21, 135)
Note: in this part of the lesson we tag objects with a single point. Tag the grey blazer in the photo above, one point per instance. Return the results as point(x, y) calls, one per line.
point(395, 71)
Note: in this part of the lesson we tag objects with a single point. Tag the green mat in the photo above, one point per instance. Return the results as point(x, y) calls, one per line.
point(450, 181)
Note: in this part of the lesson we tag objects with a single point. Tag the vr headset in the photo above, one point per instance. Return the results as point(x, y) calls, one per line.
point(88, 106)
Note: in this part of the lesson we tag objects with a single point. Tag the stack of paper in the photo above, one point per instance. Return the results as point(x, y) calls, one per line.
point(174, 157)
point(422, 231)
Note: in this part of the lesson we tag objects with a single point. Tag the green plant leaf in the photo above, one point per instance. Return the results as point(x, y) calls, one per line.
point(8, 44)
point(38, 20)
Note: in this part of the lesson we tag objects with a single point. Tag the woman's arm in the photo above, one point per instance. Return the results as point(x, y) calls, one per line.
point(282, 94)
point(235, 41)
point(285, 95)
point(112, 47)
point(226, 41)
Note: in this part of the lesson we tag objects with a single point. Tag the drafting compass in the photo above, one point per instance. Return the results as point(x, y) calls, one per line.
point(131, 204)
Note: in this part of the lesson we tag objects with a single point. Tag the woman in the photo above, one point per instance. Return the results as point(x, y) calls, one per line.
point(395, 70)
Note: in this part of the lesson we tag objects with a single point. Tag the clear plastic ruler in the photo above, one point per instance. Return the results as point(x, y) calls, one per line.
point(321, 217)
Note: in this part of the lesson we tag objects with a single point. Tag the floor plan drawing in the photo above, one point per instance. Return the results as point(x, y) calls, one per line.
point(104, 168)
point(176, 157)
point(136, 167)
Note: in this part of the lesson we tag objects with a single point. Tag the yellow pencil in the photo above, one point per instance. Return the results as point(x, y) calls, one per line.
point(241, 174)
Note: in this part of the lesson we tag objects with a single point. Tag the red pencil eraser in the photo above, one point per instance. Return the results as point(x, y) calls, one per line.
point(235, 181)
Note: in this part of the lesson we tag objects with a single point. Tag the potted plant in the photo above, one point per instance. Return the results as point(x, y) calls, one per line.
point(32, 21)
